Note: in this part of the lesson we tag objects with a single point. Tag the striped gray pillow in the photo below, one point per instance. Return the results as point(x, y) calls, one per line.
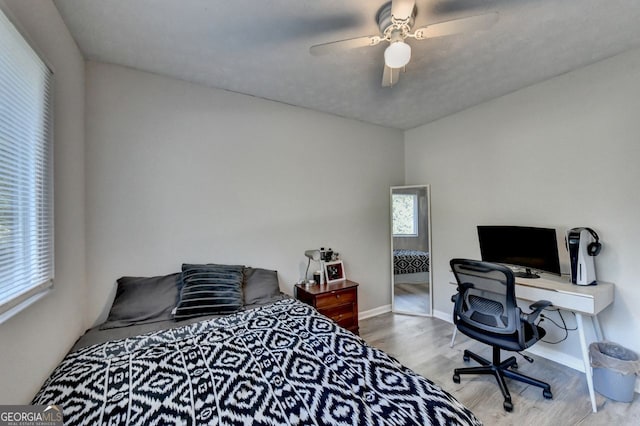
point(209, 289)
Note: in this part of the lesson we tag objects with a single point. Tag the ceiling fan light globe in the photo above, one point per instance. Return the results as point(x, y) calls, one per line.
point(397, 55)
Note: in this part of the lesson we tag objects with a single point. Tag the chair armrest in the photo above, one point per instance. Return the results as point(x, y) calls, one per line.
point(540, 305)
point(464, 287)
point(537, 308)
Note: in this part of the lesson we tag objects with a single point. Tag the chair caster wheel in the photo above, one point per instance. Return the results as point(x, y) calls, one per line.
point(465, 358)
point(514, 366)
point(456, 378)
point(508, 406)
point(547, 394)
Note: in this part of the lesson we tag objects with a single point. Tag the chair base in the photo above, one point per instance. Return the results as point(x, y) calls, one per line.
point(500, 370)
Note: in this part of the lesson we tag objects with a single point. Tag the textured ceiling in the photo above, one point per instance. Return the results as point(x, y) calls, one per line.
point(261, 48)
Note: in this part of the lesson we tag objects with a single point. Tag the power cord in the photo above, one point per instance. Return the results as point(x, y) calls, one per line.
point(306, 273)
point(561, 327)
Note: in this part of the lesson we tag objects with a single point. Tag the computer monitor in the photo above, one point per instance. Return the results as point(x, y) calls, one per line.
point(528, 247)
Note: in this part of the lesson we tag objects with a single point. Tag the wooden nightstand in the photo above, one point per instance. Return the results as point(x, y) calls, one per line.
point(338, 301)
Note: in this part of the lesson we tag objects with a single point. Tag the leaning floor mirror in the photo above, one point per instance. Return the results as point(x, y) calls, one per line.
point(411, 291)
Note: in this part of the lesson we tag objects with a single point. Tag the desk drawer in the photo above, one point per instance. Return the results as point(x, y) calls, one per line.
point(339, 297)
point(570, 302)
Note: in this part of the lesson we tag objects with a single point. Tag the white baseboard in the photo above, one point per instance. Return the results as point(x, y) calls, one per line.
point(543, 351)
point(444, 316)
point(566, 360)
point(539, 350)
point(557, 356)
point(374, 312)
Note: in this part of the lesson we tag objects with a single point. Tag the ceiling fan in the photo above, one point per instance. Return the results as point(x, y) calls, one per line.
point(395, 21)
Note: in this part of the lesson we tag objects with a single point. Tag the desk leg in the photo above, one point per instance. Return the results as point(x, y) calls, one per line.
point(585, 359)
point(597, 328)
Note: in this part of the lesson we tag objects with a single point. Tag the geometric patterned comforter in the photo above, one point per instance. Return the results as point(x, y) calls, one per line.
point(282, 364)
point(410, 261)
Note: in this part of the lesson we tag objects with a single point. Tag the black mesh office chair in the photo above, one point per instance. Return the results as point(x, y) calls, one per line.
point(485, 309)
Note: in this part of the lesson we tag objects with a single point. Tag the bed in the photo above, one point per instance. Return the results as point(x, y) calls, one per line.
point(274, 361)
point(410, 266)
point(410, 261)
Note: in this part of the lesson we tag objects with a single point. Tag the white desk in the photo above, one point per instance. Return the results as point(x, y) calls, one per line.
point(582, 300)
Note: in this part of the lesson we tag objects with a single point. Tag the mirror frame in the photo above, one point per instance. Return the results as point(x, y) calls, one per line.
point(430, 299)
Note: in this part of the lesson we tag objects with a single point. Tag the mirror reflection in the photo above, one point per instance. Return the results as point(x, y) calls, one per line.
point(411, 247)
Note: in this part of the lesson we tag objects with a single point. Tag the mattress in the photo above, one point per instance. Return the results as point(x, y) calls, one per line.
point(279, 364)
point(410, 261)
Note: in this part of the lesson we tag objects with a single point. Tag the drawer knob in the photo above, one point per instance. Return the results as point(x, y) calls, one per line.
point(337, 296)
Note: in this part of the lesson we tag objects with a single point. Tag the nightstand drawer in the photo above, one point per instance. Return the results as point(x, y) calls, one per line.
point(334, 298)
point(349, 324)
point(339, 313)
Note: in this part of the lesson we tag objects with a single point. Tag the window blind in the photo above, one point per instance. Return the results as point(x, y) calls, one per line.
point(26, 172)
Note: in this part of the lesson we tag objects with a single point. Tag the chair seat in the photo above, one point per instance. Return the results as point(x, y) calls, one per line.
point(508, 342)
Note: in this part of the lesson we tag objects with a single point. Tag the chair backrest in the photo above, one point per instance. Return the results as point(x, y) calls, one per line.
point(486, 300)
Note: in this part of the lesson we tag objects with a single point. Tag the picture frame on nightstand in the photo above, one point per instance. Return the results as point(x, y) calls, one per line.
point(334, 271)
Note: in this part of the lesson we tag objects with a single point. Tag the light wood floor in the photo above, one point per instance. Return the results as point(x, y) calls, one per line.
point(412, 298)
point(422, 344)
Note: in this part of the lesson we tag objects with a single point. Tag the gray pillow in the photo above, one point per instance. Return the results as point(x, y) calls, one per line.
point(142, 300)
point(209, 289)
point(260, 286)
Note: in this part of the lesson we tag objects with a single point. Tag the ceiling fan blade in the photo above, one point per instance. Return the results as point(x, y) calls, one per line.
point(341, 45)
point(390, 76)
point(456, 26)
point(402, 9)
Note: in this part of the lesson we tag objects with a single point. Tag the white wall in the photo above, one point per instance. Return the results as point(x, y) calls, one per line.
point(33, 342)
point(563, 153)
point(178, 172)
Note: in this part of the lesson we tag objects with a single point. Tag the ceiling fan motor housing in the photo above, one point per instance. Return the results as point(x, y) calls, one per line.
point(388, 25)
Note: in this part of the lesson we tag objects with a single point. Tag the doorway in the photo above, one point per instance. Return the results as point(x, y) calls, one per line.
point(411, 277)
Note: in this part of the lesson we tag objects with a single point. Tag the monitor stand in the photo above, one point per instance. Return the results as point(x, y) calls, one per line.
point(526, 274)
